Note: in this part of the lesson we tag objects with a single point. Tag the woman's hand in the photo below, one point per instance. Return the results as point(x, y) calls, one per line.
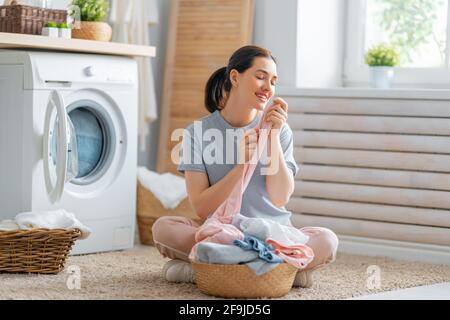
point(277, 113)
point(247, 146)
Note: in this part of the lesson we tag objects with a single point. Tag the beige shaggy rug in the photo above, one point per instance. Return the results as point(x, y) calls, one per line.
point(136, 274)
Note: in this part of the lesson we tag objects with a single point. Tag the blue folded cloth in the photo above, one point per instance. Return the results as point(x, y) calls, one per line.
point(265, 251)
point(209, 252)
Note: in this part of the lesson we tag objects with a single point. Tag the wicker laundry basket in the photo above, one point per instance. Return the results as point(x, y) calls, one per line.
point(149, 209)
point(239, 281)
point(36, 251)
point(27, 19)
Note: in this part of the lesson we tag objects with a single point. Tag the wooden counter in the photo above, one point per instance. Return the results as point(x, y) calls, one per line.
point(26, 41)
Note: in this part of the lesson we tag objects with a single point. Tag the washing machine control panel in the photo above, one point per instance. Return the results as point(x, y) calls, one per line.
point(90, 71)
point(74, 70)
point(111, 75)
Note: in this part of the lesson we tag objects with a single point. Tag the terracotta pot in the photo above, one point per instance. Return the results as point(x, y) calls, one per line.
point(99, 31)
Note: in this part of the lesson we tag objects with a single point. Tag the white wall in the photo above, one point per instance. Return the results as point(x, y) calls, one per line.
point(60, 4)
point(321, 43)
point(306, 37)
point(275, 28)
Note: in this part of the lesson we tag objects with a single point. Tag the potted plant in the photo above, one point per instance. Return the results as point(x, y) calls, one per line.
point(50, 29)
point(92, 16)
point(64, 31)
point(381, 60)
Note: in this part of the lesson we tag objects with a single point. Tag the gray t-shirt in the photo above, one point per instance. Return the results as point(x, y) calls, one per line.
point(213, 144)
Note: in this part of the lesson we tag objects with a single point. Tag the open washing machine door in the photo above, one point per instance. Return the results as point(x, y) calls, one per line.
point(60, 147)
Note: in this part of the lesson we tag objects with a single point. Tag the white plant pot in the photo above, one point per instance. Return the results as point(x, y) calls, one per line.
point(50, 32)
point(65, 33)
point(381, 77)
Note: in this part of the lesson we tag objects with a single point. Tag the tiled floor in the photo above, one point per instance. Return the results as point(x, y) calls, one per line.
point(432, 292)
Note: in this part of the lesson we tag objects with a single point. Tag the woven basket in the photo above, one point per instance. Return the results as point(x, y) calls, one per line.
point(98, 31)
point(149, 209)
point(27, 19)
point(36, 251)
point(239, 281)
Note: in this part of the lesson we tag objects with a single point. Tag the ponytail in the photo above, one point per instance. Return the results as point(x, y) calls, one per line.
point(214, 90)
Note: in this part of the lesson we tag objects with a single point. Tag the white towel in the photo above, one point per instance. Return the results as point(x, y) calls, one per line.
point(59, 219)
point(265, 228)
point(167, 187)
point(8, 225)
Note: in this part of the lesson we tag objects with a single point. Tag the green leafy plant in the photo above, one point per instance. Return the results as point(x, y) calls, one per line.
point(382, 55)
point(409, 24)
point(92, 10)
point(63, 25)
point(51, 24)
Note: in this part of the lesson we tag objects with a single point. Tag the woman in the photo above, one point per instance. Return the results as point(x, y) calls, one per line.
point(234, 96)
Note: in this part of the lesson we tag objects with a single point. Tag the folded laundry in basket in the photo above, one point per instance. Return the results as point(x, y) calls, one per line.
point(59, 219)
point(265, 251)
point(216, 253)
point(269, 229)
point(299, 256)
point(288, 242)
point(167, 187)
point(214, 231)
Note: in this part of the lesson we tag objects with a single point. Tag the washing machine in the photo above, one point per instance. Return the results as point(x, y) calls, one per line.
point(68, 140)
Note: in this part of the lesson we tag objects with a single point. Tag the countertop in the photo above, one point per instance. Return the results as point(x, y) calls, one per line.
point(27, 41)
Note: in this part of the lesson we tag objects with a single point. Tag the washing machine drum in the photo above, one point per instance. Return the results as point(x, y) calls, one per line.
point(89, 136)
point(87, 144)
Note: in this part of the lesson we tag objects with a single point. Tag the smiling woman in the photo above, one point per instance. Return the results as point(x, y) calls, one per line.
point(237, 96)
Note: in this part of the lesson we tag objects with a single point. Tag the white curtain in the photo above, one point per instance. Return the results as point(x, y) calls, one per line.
point(131, 20)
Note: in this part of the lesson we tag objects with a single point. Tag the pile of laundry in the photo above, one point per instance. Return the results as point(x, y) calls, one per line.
point(261, 244)
point(59, 219)
point(168, 188)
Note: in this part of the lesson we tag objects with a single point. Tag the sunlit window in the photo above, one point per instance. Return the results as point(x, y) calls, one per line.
point(418, 28)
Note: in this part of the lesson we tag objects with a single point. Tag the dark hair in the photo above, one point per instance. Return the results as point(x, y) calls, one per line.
point(219, 82)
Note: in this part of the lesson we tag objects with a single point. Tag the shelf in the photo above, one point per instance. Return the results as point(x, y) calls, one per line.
point(27, 41)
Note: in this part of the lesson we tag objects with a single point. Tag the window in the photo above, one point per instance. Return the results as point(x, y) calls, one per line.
point(419, 29)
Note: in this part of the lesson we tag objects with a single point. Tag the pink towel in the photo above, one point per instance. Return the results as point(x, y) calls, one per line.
point(232, 206)
point(297, 255)
point(218, 227)
point(215, 231)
